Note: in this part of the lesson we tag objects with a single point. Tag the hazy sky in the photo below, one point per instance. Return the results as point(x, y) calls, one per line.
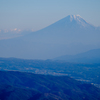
point(36, 14)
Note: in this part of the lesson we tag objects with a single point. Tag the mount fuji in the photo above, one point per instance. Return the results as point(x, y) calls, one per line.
point(68, 36)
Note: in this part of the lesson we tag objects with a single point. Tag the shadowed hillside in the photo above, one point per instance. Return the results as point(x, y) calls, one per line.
point(56, 87)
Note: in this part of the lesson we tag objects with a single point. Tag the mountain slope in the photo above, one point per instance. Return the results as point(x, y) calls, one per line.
point(68, 29)
point(70, 35)
point(92, 56)
point(8, 92)
point(51, 87)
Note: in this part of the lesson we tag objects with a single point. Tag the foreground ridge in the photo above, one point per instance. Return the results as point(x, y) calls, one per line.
point(44, 87)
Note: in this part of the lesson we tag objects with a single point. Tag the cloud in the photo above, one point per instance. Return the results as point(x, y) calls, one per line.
point(5, 30)
point(19, 30)
point(32, 30)
point(14, 29)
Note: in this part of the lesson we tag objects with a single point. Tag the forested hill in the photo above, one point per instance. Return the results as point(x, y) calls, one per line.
point(28, 86)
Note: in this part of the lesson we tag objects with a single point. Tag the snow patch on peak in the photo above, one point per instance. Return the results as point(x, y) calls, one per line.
point(79, 20)
point(78, 16)
point(72, 17)
point(75, 17)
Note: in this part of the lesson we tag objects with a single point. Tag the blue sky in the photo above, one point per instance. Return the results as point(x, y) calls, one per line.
point(37, 14)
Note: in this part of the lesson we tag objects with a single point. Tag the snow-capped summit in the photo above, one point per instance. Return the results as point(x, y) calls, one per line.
point(70, 35)
point(69, 22)
point(77, 19)
point(75, 16)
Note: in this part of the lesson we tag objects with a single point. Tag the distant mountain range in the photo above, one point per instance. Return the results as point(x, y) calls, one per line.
point(12, 33)
point(92, 56)
point(70, 35)
point(28, 86)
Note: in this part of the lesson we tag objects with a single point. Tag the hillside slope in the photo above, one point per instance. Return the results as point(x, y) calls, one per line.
point(56, 87)
point(91, 56)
